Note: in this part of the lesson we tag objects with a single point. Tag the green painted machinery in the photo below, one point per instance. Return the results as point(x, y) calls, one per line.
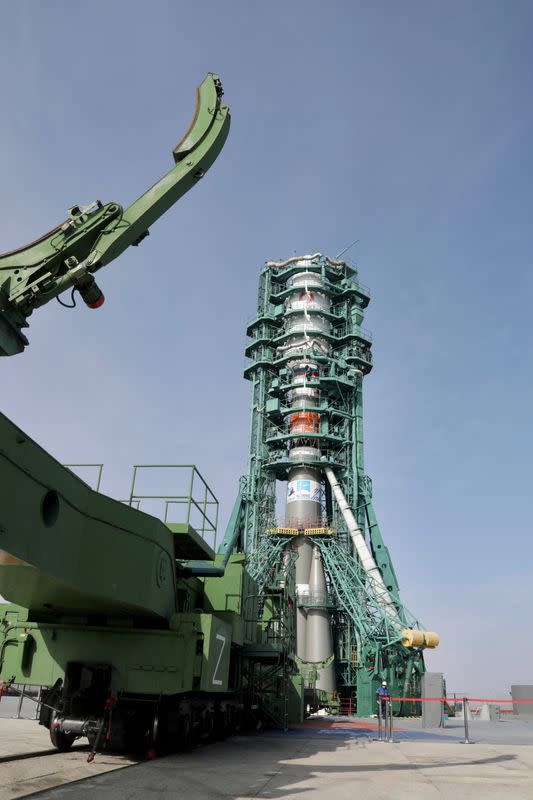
point(144, 638)
point(93, 235)
point(115, 605)
point(142, 635)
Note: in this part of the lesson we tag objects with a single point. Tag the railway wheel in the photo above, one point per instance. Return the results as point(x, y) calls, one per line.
point(208, 727)
point(61, 741)
point(221, 722)
point(159, 740)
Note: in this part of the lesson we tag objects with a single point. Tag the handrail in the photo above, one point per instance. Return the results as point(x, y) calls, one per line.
point(201, 505)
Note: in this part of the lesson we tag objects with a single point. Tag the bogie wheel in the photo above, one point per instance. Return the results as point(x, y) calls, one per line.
point(208, 725)
point(186, 732)
point(158, 743)
point(221, 723)
point(61, 741)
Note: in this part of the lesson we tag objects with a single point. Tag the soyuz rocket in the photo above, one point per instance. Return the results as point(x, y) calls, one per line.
point(312, 339)
point(305, 483)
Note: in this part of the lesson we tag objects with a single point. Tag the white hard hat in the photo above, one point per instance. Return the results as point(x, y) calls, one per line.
point(383, 683)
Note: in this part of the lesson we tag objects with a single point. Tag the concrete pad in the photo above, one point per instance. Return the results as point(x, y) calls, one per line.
point(29, 763)
point(287, 768)
point(331, 758)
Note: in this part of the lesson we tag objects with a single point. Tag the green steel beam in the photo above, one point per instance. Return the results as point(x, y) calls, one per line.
point(94, 235)
point(234, 535)
point(380, 551)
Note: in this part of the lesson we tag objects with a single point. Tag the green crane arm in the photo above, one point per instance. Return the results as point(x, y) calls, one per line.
point(95, 234)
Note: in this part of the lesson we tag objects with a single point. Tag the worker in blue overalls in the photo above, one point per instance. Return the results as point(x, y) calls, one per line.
point(382, 695)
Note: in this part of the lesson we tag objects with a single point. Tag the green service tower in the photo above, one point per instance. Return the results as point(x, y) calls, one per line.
point(308, 503)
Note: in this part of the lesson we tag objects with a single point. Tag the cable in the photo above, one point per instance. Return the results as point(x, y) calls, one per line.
point(66, 305)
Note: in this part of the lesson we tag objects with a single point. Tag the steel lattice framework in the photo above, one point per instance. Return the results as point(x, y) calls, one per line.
point(367, 642)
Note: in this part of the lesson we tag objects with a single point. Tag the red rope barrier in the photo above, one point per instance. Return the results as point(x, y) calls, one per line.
point(457, 700)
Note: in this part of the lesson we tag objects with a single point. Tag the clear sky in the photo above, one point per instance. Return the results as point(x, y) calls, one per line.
point(407, 125)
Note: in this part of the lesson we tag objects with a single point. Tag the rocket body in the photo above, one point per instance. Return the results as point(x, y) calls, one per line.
point(306, 335)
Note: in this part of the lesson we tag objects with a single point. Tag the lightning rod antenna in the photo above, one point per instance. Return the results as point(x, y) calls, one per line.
point(346, 249)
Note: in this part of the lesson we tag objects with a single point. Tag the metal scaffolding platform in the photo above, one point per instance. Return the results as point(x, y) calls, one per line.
point(307, 342)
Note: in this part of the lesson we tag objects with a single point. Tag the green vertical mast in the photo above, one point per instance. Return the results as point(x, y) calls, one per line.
point(314, 339)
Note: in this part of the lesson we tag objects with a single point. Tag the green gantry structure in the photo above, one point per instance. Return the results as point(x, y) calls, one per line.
point(308, 356)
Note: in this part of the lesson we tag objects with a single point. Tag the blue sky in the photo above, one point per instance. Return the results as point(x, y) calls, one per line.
point(407, 125)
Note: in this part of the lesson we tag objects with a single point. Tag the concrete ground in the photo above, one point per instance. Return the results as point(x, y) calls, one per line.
point(29, 763)
point(329, 758)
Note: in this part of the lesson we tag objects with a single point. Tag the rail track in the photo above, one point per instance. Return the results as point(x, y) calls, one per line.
point(28, 763)
point(42, 753)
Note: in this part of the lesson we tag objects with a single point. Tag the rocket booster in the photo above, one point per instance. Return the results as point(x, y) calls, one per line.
point(305, 484)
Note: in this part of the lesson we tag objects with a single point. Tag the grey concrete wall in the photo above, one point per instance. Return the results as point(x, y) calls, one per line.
point(522, 691)
point(432, 686)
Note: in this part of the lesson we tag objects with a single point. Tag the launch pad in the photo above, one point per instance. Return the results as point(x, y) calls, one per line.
point(326, 758)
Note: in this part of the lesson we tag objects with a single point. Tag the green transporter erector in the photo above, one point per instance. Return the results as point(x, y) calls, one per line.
point(308, 357)
point(140, 636)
